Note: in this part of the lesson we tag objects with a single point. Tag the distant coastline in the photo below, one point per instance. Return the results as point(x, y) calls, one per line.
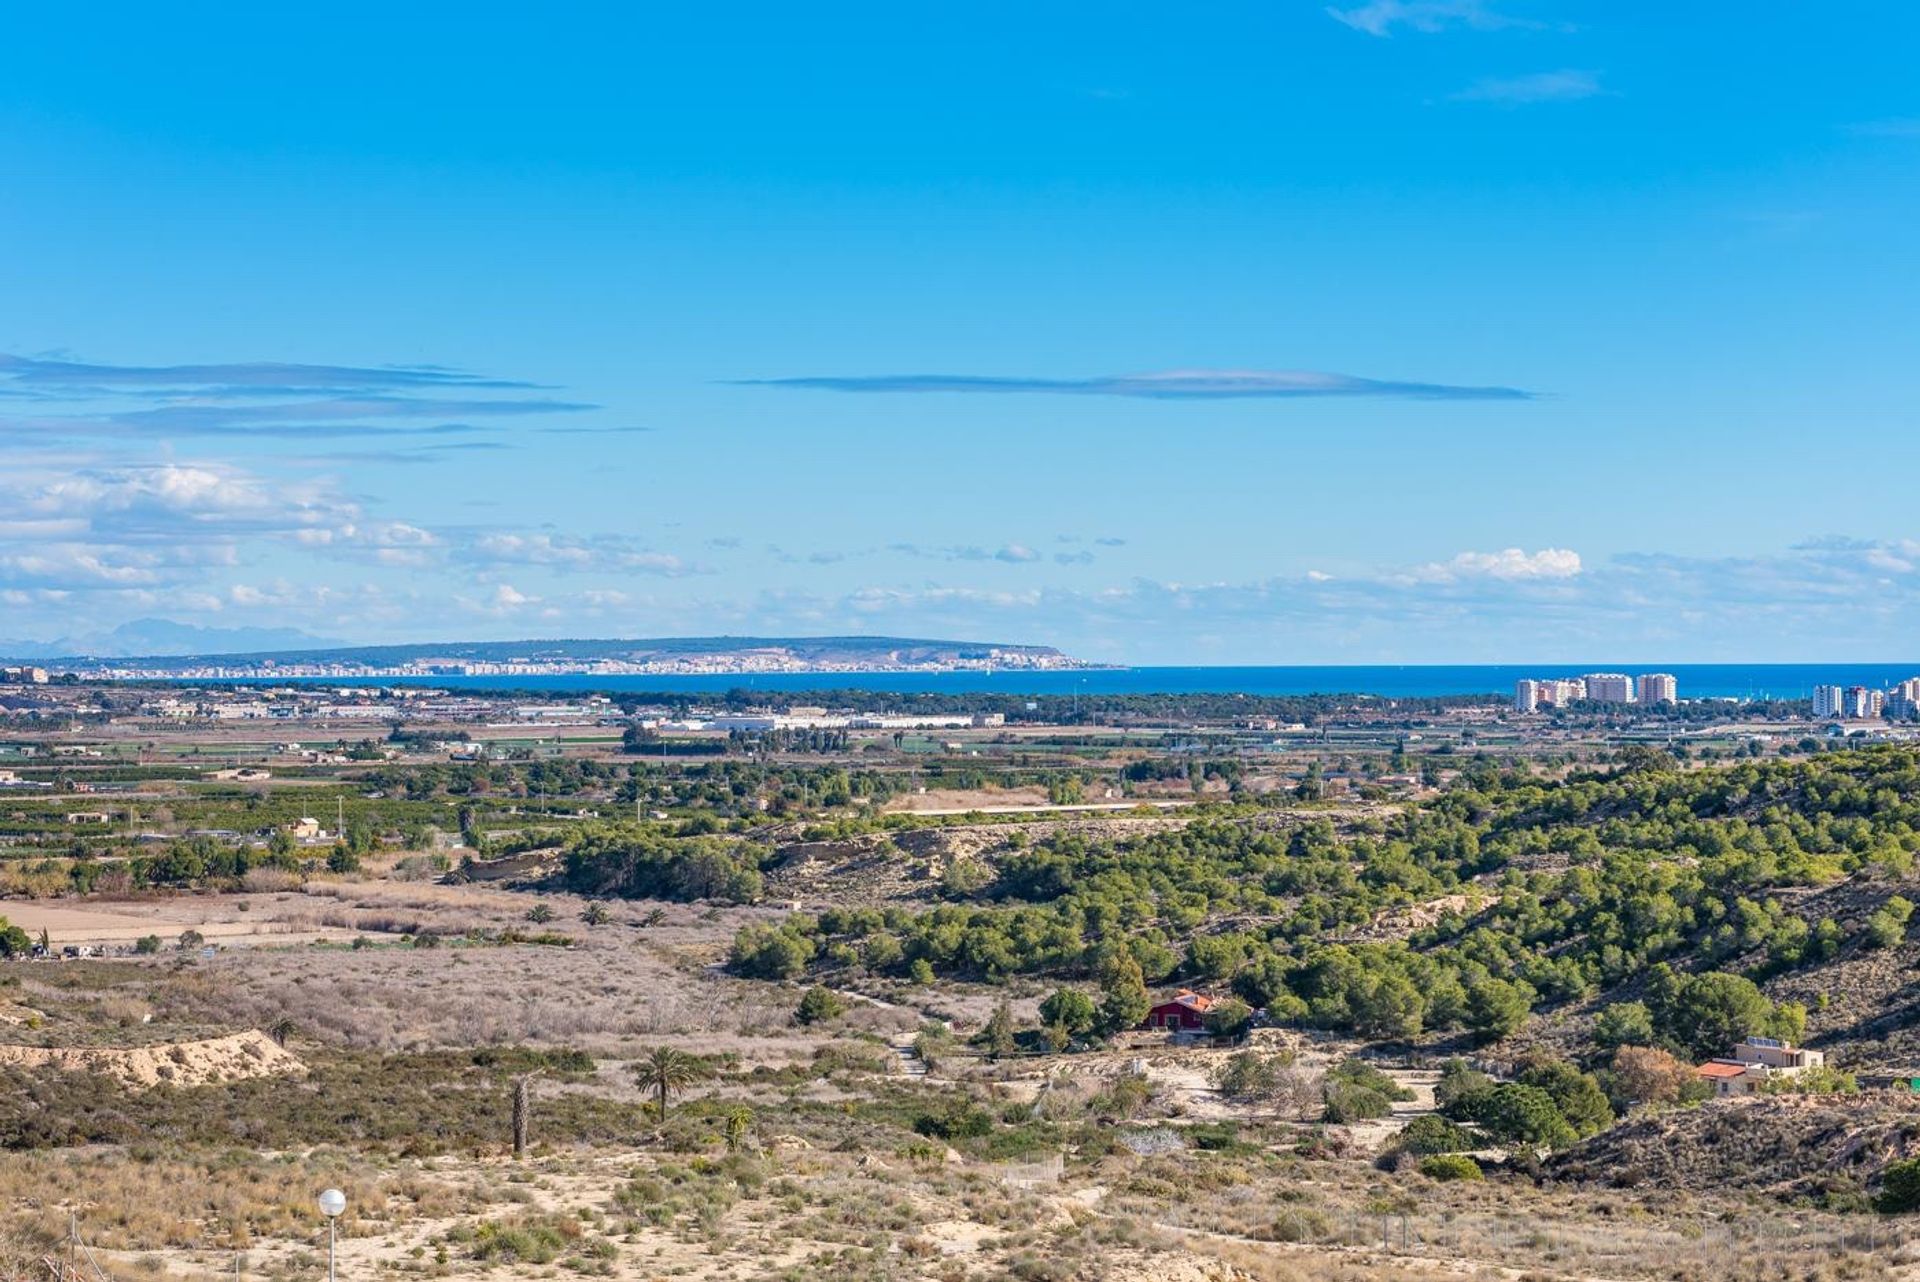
point(1697, 681)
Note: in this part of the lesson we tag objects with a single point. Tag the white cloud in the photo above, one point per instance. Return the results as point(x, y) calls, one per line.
point(562, 552)
point(1381, 17)
point(1507, 565)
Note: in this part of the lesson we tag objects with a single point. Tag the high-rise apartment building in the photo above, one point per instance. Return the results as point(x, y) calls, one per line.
point(1609, 687)
point(1526, 695)
point(1861, 704)
point(1659, 687)
point(1904, 699)
point(1829, 701)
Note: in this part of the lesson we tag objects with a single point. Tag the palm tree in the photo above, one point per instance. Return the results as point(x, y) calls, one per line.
point(665, 1071)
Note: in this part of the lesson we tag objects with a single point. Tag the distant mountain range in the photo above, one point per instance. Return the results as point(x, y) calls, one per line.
point(163, 637)
point(162, 645)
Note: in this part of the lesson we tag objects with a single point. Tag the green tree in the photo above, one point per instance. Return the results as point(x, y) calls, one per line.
point(1576, 1094)
point(1431, 1133)
point(1390, 1007)
point(1497, 1009)
point(1623, 1024)
point(770, 952)
point(997, 1038)
point(1899, 1187)
point(1520, 1114)
point(818, 1005)
point(1887, 927)
point(1229, 1018)
point(1708, 1013)
point(1123, 995)
point(1071, 1010)
point(666, 1072)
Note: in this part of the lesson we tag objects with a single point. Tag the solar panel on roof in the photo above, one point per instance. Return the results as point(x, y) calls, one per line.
point(1767, 1041)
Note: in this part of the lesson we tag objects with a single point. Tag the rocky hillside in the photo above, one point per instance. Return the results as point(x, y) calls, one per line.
point(1791, 1148)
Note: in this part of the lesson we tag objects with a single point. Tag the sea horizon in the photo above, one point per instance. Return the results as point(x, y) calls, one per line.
point(1748, 681)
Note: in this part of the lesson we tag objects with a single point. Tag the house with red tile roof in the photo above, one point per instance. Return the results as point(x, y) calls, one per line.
point(1186, 1012)
point(1753, 1062)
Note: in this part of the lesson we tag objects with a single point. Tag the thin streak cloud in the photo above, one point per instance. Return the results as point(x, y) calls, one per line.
point(1545, 86)
point(1202, 384)
point(247, 377)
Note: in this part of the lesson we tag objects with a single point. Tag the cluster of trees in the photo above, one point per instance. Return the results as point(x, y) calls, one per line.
point(640, 863)
point(1549, 1104)
point(1581, 883)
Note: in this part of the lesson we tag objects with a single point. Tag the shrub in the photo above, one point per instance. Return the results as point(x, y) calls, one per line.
point(1450, 1166)
point(1576, 1094)
point(959, 1120)
point(1644, 1075)
point(1496, 1008)
point(147, 945)
point(1899, 1188)
point(1887, 927)
point(768, 952)
point(1624, 1024)
point(1069, 1009)
point(1347, 1102)
point(1248, 1075)
point(1518, 1114)
point(819, 1005)
point(1434, 1134)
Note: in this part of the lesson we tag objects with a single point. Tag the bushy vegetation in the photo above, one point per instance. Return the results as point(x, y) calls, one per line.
point(1450, 1166)
point(644, 864)
point(1588, 881)
point(1900, 1187)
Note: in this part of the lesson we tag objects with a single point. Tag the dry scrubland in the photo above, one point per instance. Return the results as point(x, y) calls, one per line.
point(797, 1158)
point(371, 1029)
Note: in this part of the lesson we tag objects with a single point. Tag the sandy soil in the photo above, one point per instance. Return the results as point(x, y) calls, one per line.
point(123, 922)
point(218, 1059)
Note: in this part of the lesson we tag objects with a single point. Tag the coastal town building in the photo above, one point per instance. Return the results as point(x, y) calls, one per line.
point(1530, 694)
point(1829, 701)
point(1658, 687)
point(1609, 687)
point(1862, 704)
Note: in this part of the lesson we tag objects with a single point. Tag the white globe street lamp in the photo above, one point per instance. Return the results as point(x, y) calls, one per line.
point(332, 1203)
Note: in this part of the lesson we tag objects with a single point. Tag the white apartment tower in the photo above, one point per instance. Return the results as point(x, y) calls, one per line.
point(1829, 701)
point(1609, 687)
point(1659, 687)
point(1526, 695)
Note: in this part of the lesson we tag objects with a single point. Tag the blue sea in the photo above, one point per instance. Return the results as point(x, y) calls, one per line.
point(1697, 681)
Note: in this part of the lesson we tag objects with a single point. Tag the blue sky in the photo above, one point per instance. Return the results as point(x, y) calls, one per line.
point(1401, 330)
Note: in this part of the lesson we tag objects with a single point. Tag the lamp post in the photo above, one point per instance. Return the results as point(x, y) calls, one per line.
point(332, 1202)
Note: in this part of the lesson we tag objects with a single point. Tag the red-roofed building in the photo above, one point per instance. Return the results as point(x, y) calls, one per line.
point(1184, 1013)
point(1730, 1077)
point(1753, 1062)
